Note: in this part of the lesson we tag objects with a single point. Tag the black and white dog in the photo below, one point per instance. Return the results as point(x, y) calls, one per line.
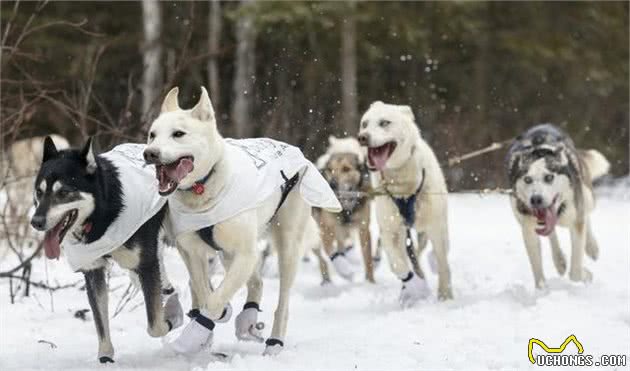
point(552, 184)
point(85, 203)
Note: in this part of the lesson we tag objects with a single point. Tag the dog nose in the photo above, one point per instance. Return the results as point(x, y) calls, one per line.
point(536, 201)
point(363, 139)
point(151, 155)
point(38, 222)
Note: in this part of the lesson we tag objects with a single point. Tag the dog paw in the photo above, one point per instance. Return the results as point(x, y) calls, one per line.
point(583, 275)
point(445, 294)
point(412, 291)
point(226, 315)
point(560, 262)
point(541, 284)
point(342, 266)
point(247, 326)
point(274, 347)
point(173, 311)
point(105, 359)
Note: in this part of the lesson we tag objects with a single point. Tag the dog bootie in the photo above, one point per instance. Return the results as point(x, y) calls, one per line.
point(274, 346)
point(342, 265)
point(413, 289)
point(196, 336)
point(246, 324)
point(173, 311)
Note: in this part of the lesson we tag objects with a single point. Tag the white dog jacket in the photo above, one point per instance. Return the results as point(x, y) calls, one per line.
point(141, 201)
point(257, 168)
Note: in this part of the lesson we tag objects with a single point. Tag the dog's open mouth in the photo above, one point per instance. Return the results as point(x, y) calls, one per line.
point(169, 175)
point(54, 236)
point(546, 218)
point(378, 156)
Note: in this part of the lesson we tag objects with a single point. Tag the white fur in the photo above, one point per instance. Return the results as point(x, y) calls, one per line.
point(401, 177)
point(596, 163)
point(237, 236)
point(341, 145)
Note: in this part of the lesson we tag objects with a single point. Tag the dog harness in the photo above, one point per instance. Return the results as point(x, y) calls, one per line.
point(258, 169)
point(141, 201)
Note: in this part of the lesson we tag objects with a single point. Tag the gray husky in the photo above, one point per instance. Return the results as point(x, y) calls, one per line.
point(552, 185)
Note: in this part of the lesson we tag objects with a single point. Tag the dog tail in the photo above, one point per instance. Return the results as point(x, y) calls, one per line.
point(596, 163)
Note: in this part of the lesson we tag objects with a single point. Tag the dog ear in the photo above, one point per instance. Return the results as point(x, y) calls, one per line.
point(89, 155)
point(50, 150)
point(203, 111)
point(408, 112)
point(332, 140)
point(171, 103)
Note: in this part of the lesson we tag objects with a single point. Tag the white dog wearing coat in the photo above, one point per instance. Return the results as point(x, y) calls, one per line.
point(406, 168)
point(223, 199)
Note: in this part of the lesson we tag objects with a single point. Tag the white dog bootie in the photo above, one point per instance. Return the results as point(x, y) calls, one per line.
point(196, 336)
point(246, 324)
point(342, 265)
point(413, 289)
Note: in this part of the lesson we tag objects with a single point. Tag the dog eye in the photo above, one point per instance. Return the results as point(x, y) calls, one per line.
point(384, 123)
point(548, 178)
point(39, 193)
point(364, 124)
point(151, 135)
point(178, 134)
point(528, 180)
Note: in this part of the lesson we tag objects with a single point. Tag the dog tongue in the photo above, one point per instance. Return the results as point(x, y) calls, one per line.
point(549, 218)
point(378, 156)
point(179, 172)
point(51, 242)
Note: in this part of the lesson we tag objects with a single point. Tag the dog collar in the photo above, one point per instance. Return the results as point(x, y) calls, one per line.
point(198, 186)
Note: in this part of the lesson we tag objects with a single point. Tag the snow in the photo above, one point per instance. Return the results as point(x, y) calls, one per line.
point(358, 325)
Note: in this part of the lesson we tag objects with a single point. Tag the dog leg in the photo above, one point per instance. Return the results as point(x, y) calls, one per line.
point(439, 241)
point(97, 291)
point(559, 260)
point(592, 249)
point(328, 240)
point(578, 272)
point(246, 325)
point(366, 249)
point(288, 260)
point(414, 288)
point(532, 245)
point(150, 283)
point(323, 266)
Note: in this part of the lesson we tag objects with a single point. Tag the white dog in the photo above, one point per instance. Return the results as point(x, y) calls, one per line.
point(226, 193)
point(407, 169)
point(552, 183)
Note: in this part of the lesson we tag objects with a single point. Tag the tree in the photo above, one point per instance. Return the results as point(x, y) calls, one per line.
point(245, 69)
point(214, 38)
point(151, 56)
point(349, 114)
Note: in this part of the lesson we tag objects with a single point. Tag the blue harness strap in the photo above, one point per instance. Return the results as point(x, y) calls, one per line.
point(407, 206)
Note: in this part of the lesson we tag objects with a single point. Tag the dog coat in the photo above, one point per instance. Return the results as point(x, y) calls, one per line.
point(258, 167)
point(141, 201)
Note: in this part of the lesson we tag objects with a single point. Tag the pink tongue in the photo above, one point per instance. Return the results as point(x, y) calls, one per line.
point(550, 220)
point(51, 242)
point(378, 157)
point(182, 169)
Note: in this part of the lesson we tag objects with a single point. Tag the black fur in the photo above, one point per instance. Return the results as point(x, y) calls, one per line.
point(71, 167)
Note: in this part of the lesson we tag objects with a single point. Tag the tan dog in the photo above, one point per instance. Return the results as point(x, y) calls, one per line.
point(343, 166)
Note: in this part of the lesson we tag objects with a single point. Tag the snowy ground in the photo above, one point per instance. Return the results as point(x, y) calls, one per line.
point(359, 326)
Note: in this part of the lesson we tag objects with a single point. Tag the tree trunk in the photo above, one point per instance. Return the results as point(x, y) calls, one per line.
point(152, 55)
point(245, 68)
point(214, 39)
point(349, 115)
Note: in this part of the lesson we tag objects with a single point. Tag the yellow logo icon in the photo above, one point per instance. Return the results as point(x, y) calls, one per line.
point(547, 349)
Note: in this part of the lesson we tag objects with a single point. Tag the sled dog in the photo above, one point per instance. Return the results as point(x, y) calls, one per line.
point(100, 208)
point(415, 208)
point(223, 194)
point(343, 166)
point(552, 185)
